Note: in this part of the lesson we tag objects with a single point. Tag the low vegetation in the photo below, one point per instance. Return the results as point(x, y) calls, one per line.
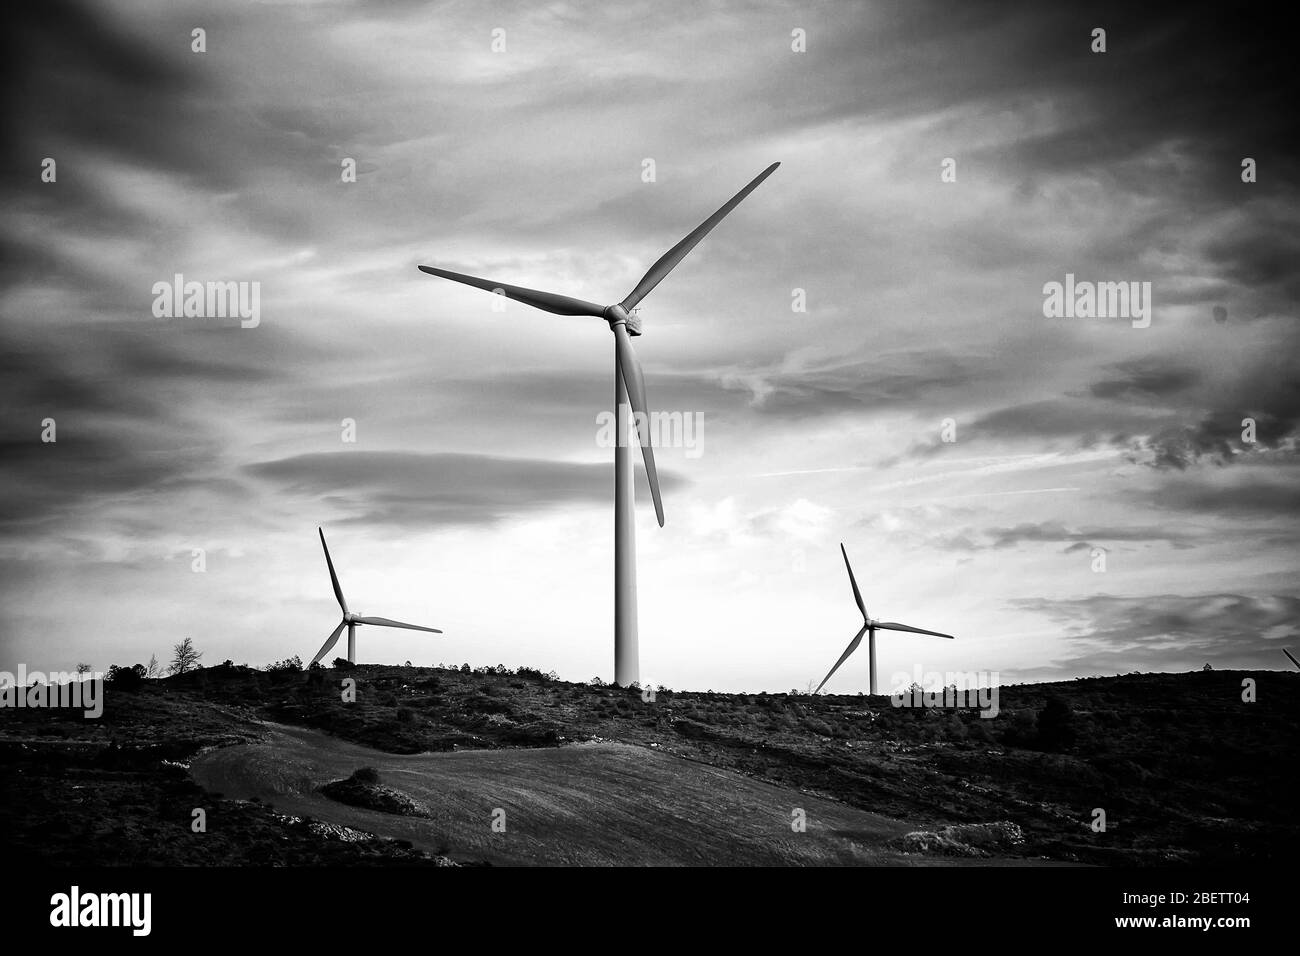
point(1181, 768)
point(363, 789)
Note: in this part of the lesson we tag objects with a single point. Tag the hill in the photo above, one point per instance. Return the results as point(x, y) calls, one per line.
point(1184, 770)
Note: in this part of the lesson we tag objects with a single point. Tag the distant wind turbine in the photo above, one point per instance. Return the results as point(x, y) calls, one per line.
point(1292, 656)
point(351, 620)
point(629, 387)
point(869, 627)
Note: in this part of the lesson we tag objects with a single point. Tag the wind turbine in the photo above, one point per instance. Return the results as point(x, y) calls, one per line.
point(1292, 656)
point(629, 388)
point(351, 619)
point(869, 627)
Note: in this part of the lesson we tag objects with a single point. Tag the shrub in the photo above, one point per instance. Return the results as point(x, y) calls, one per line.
point(955, 729)
point(1056, 729)
point(343, 664)
point(978, 732)
point(405, 715)
point(536, 673)
point(284, 671)
point(365, 775)
point(125, 678)
point(1021, 733)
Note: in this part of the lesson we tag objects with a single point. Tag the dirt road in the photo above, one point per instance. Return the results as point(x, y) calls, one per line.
point(586, 804)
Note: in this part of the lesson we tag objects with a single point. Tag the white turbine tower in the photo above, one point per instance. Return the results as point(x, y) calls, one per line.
point(629, 387)
point(351, 620)
point(869, 627)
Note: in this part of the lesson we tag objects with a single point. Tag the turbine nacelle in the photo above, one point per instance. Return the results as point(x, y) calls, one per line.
point(616, 313)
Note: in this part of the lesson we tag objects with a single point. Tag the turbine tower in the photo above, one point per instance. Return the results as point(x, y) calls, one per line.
point(869, 627)
point(629, 389)
point(351, 620)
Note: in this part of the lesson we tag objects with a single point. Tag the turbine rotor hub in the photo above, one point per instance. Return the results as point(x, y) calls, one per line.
point(616, 313)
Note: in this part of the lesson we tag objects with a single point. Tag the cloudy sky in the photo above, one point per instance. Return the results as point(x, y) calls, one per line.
point(476, 498)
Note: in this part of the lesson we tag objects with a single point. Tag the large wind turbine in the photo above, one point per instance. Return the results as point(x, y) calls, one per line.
point(869, 627)
point(629, 386)
point(351, 620)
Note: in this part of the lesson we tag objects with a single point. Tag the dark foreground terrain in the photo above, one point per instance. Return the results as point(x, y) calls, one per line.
point(1184, 770)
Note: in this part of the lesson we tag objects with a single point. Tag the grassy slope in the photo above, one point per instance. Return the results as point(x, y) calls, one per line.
point(590, 804)
point(1185, 771)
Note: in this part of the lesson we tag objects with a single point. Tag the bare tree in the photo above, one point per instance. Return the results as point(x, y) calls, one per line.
point(184, 657)
point(154, 669)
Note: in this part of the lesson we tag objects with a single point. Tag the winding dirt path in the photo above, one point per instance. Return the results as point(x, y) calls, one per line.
point(585, 804)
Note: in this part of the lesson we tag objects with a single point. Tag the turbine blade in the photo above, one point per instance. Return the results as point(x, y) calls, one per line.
point(853, 646)
point(385, 622)
point(333, 639)
point(857, 595)
point(634, 381)
point(1292, 656)
point(546, 301)
point(914, 630)
point(677, 253)
point(334, 578)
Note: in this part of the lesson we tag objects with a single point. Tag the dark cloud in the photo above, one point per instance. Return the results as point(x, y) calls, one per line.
point(1080, 424)
point(1164, 413)
point(1264, 390)
point(1260, 251)
point(1144, 379)
point(1275, 498)
point(412, 489)
point(45, 483)
point(124, 426)
point(82, 76)
point(1167, 632)
point(1196, 73)
point(1052, 532)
